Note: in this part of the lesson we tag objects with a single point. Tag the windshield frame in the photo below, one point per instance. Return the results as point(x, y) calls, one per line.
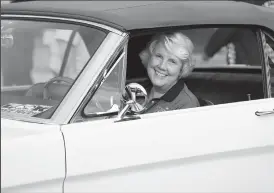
point(58, 117)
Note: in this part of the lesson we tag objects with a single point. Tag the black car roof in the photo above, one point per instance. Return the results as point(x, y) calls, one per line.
point(129, 15)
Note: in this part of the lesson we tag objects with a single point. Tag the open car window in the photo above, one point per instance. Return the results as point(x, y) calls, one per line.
point(224, 47)
point(231, 72)
point(227, 64)
point(39, 63)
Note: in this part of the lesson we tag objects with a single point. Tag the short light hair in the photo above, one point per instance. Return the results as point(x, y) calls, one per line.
point(169, 40)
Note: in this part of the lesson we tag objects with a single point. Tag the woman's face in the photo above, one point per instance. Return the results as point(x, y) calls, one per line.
point(164, 68)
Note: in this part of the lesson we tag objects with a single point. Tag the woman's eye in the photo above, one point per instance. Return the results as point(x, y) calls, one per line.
point(158, 56)
point(172, 61)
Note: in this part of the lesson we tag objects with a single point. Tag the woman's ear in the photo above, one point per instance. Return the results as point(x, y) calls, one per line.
point(186, 70)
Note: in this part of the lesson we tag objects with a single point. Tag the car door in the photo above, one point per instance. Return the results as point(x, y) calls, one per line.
point(213, 148)
point(32, 157)
point(226, 147)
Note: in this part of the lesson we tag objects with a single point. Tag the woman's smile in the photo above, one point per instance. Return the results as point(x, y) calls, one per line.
point(159, 73)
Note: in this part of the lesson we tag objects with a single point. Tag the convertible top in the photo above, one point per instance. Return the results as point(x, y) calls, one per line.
point(131, 15)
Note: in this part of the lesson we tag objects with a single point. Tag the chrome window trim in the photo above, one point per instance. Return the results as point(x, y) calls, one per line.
point(124, 69)
point(111, 68)
point(69, 105)
point(5, 16)
point(265, 67)
point(270, 93)
point(98, 84)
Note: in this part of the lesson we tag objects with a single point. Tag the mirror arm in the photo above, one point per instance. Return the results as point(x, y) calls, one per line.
point(124, 110)
point(121, 116)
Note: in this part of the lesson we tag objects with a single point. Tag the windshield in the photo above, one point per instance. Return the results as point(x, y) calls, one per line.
point(39, 63)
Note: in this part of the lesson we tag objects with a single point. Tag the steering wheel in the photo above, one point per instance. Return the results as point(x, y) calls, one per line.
point(55, 79)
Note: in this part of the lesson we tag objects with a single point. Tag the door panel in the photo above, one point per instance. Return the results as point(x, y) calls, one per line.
point(32, 157)
point(214, 148)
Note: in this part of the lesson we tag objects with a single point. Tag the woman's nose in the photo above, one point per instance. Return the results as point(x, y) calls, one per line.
point(162, 65)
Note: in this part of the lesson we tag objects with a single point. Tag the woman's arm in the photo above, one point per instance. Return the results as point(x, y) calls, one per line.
point(219, 39)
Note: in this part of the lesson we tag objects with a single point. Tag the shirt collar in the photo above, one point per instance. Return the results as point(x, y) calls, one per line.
point(174, 91)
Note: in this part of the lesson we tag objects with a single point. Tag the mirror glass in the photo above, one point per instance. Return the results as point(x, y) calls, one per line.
point(136, 97)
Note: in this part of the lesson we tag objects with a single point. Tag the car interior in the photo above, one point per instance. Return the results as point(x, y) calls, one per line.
point(214, 85)
point(30, 49)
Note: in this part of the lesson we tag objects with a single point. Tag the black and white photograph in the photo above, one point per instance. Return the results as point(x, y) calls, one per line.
point(137, 96)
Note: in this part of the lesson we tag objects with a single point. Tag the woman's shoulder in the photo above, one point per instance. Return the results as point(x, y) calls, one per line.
point(187, 98)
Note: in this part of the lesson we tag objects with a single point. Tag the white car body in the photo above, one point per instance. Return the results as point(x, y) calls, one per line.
point(221, 148)
point(235, 159)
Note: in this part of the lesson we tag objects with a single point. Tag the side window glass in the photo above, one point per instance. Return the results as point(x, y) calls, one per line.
point(107, 97)
point(269, 52)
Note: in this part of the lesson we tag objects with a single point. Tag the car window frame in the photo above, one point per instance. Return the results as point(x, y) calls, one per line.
point(119, 54)
point(262, 67)
point(58, 117)
point(270, 87)
point(258, 28)
point(264, 73)
point(102, 79)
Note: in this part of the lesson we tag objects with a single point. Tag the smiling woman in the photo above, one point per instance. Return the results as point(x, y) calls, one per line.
point(40, 61)
point(168, 59)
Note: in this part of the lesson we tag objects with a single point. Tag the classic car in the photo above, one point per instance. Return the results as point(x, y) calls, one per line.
point(70, 79)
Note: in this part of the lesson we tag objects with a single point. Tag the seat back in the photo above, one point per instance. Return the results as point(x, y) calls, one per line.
point(204, 102)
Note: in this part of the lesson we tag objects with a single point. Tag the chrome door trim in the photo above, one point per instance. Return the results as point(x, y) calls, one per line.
point(62, 19)
point(86, 80)
point(266, 66)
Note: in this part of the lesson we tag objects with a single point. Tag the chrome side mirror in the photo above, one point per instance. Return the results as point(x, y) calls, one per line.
point(134, 99)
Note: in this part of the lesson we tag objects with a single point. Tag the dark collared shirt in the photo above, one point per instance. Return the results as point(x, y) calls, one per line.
point(178, 97)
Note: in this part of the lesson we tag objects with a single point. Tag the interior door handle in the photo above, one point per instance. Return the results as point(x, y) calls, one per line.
point(261, 113)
